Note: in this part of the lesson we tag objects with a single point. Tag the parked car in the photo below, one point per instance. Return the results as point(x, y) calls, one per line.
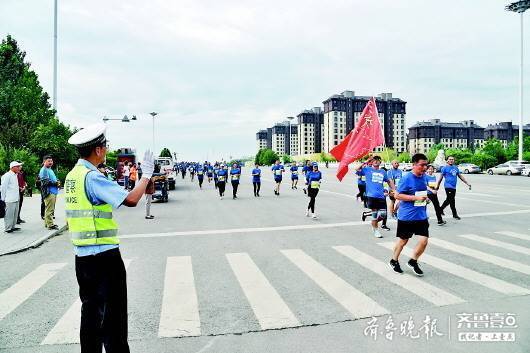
point(526, 170)
point(506, 169)
point(468, 168)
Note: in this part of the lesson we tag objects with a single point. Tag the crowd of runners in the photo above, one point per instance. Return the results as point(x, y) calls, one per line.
point(393, 193)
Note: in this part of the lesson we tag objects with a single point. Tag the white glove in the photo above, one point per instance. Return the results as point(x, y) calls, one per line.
point(148, 165)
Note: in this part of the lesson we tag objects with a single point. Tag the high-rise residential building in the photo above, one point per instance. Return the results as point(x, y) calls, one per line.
point(342, 111)
point(262, 139)
point(310, 128)
point(505, 132)
point(294, 140)
point(425, 134)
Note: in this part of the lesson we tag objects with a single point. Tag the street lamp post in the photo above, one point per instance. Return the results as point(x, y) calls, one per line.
point(153, 114)
point(55, 56)
point(520, 7)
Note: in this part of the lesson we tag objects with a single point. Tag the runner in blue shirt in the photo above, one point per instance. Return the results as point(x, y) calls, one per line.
point(256, 180)
point(412, 214)
point(450, 172)
point(305, 170)
point(215, 172)
point(430, 180)
point(314, 178)
point(294, 176)
point(210, 173)
point(375, 191)
point(395, 174)
point(277, 170)
point(200, 175)
point(235, 175)
point(222, 175)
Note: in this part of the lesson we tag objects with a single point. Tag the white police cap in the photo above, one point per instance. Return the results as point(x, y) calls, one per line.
point(91, 135)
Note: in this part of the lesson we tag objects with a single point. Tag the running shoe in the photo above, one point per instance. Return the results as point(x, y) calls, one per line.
point(314, 216)
point(377, 234)
point(363, 217)
point(395, 266)
point(442, 223)
point(307, 213)
point(385, 228)
point(457, 218)
point(413, 264)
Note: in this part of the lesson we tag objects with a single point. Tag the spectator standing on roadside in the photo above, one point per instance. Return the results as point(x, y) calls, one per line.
point(126, 174)
point(22, 185)
point(10, 195)
point(49, 189)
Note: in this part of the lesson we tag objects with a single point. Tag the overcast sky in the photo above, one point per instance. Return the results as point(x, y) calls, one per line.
point(218, 71)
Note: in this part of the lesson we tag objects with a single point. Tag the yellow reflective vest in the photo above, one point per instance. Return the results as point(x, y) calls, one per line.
point(88, 224)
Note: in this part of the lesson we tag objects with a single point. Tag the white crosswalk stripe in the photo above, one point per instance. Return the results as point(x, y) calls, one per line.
point(514, 235)
point(465, 273)
point(270, 309)
point(497, 243)
point(482, 256)
point(19, 292)
point(180, 309)
point(354, 301)
point(67, 328)
point(433, 294)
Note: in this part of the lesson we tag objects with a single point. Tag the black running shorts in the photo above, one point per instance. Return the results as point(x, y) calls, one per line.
point(406, 229)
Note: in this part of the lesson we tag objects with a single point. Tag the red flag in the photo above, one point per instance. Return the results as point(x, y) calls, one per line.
point(366, 135)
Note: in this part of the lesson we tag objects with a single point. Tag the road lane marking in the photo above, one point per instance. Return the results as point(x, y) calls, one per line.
point(415, 285)
point(270, 309)
point(292, 227)
point(179, 316)
point(498, 203)
point(497, 243)
point(66, 330)
point(358, 304)
point(465, 273)
point(480, 255)
point(515, 235)
point(19, 292)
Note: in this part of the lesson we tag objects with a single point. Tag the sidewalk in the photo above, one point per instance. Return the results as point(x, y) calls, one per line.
point(32, 233)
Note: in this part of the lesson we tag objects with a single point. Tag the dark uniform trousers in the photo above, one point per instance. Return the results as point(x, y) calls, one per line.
point(103, 294)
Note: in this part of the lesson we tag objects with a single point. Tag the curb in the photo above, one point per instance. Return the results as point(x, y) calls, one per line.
point(38, 242)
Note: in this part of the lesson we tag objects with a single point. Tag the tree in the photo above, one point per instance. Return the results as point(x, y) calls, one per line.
point(257, 158)
point(286, 159)
point(52, 139)
point(404, 157)
point(387, 154)
point(112, 158)
point(433, 152)
point(483, 160)
point(268, 157)
point(165, 153)
point(23, 103)
point(461, 155)
point(494, 148)
point(325, 157)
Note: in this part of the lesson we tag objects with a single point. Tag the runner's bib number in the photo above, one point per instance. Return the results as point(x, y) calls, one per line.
point(396, 181)
point(235, 177)
point(278, 172)
point(363, 178)
point(295, 173)
point(315, 185)
point(418, 203)
point(221, 178)
point(200, 173)
point(432, 184)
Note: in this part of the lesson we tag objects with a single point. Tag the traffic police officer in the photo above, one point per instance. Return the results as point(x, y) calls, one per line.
point(89, 200)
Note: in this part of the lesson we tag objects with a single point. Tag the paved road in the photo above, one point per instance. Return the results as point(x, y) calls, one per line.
point(256, 275)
